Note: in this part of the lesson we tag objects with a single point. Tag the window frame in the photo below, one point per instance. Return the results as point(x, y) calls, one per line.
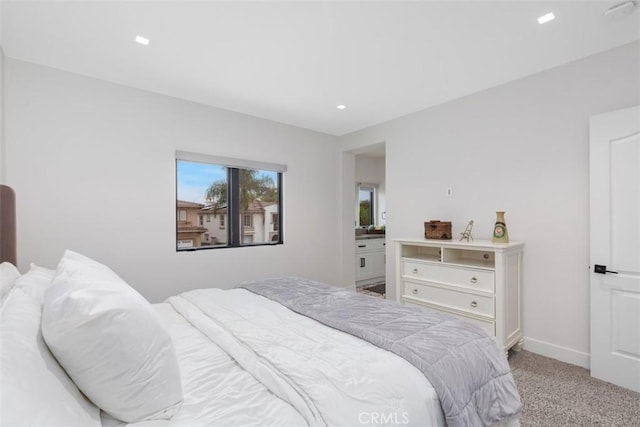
point(372, 189)
point(233, 223)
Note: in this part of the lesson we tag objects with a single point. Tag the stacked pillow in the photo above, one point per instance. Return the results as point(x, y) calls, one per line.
point(110, 341)
point(35, 390)
point(8, 275)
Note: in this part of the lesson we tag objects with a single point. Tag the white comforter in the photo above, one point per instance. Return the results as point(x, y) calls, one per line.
point(246, 360)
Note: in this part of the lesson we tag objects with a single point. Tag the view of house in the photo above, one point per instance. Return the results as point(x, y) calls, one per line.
point(200, 226)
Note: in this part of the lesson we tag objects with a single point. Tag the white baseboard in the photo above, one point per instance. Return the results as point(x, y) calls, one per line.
point(563, 354)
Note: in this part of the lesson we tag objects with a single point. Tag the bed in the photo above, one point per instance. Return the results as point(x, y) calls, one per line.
point(79, 346)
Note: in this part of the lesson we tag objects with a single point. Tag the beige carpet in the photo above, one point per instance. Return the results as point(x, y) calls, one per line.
point(558, 394)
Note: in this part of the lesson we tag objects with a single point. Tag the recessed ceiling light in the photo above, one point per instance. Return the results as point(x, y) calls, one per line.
point(620, 10)
point(142, 40)
point(341, 107)
point(546, 18)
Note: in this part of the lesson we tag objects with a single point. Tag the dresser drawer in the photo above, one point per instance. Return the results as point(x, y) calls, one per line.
point(369, 245)
point(488, 326)
point(469, 303)
point(459, 276)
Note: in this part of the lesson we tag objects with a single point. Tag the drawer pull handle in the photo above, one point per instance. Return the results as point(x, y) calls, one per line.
point(474, 304)
point(414, 271)
point(474, 279)
point(415, 292)
point(362, 246)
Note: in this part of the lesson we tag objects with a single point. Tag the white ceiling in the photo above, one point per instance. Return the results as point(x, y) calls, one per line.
point(294, 62)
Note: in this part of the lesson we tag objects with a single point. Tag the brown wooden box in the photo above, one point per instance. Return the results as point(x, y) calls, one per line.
point(440, 230)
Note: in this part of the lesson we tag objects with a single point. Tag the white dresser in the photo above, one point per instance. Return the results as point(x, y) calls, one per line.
point(479, 282)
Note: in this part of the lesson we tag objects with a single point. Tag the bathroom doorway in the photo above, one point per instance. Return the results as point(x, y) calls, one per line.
point(370, 220)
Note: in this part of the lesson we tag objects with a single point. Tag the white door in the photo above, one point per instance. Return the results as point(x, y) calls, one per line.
point(615, 247)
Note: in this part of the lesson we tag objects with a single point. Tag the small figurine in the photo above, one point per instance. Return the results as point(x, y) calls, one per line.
point(466, 234)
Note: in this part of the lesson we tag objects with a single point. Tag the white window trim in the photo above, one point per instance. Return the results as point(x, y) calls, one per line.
point(229, 162)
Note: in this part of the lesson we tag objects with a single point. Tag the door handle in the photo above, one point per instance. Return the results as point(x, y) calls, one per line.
point(362, 262)
point(602, 269)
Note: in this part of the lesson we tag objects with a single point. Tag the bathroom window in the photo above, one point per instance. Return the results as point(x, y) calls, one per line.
point(366, 205)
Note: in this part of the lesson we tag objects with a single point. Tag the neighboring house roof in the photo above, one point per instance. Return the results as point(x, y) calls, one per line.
point(211, 210)
point(190, 228)
point(256, 206)
point(185, 204)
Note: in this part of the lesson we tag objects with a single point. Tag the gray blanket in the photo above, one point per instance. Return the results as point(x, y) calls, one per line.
point(466, 367)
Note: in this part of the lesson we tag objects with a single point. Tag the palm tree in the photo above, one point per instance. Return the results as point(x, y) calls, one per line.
point(252, 187)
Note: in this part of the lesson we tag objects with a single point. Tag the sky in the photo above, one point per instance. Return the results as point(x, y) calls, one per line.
point(193, 179)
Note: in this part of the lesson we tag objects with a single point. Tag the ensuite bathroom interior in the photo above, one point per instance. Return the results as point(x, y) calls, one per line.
point(370, 218)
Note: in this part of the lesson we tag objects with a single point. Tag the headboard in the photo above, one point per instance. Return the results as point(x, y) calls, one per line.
point(8, 251)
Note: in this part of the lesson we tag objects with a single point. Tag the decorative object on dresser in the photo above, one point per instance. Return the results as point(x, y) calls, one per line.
point(479, 282)
point(500, 234)
point(466, 234)
point(437, 230)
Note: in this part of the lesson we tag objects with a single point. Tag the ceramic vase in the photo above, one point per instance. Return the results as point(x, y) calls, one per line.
point(500, 234)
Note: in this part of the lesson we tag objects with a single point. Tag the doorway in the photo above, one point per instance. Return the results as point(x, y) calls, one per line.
point(615, 247)
point(369, 219)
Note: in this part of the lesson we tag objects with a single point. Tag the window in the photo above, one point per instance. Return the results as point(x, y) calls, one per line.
point(366, 208)
point(245, 193)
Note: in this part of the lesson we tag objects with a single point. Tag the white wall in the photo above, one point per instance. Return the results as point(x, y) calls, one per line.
point(370, 170)
point(347, 199)
point(92, 164)
point(521, 147)
point(2, 144)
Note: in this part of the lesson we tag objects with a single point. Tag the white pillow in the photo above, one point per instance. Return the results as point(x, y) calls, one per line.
point(8, 275)
point(111, 342)
point(35, 390)
point(36, 281)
